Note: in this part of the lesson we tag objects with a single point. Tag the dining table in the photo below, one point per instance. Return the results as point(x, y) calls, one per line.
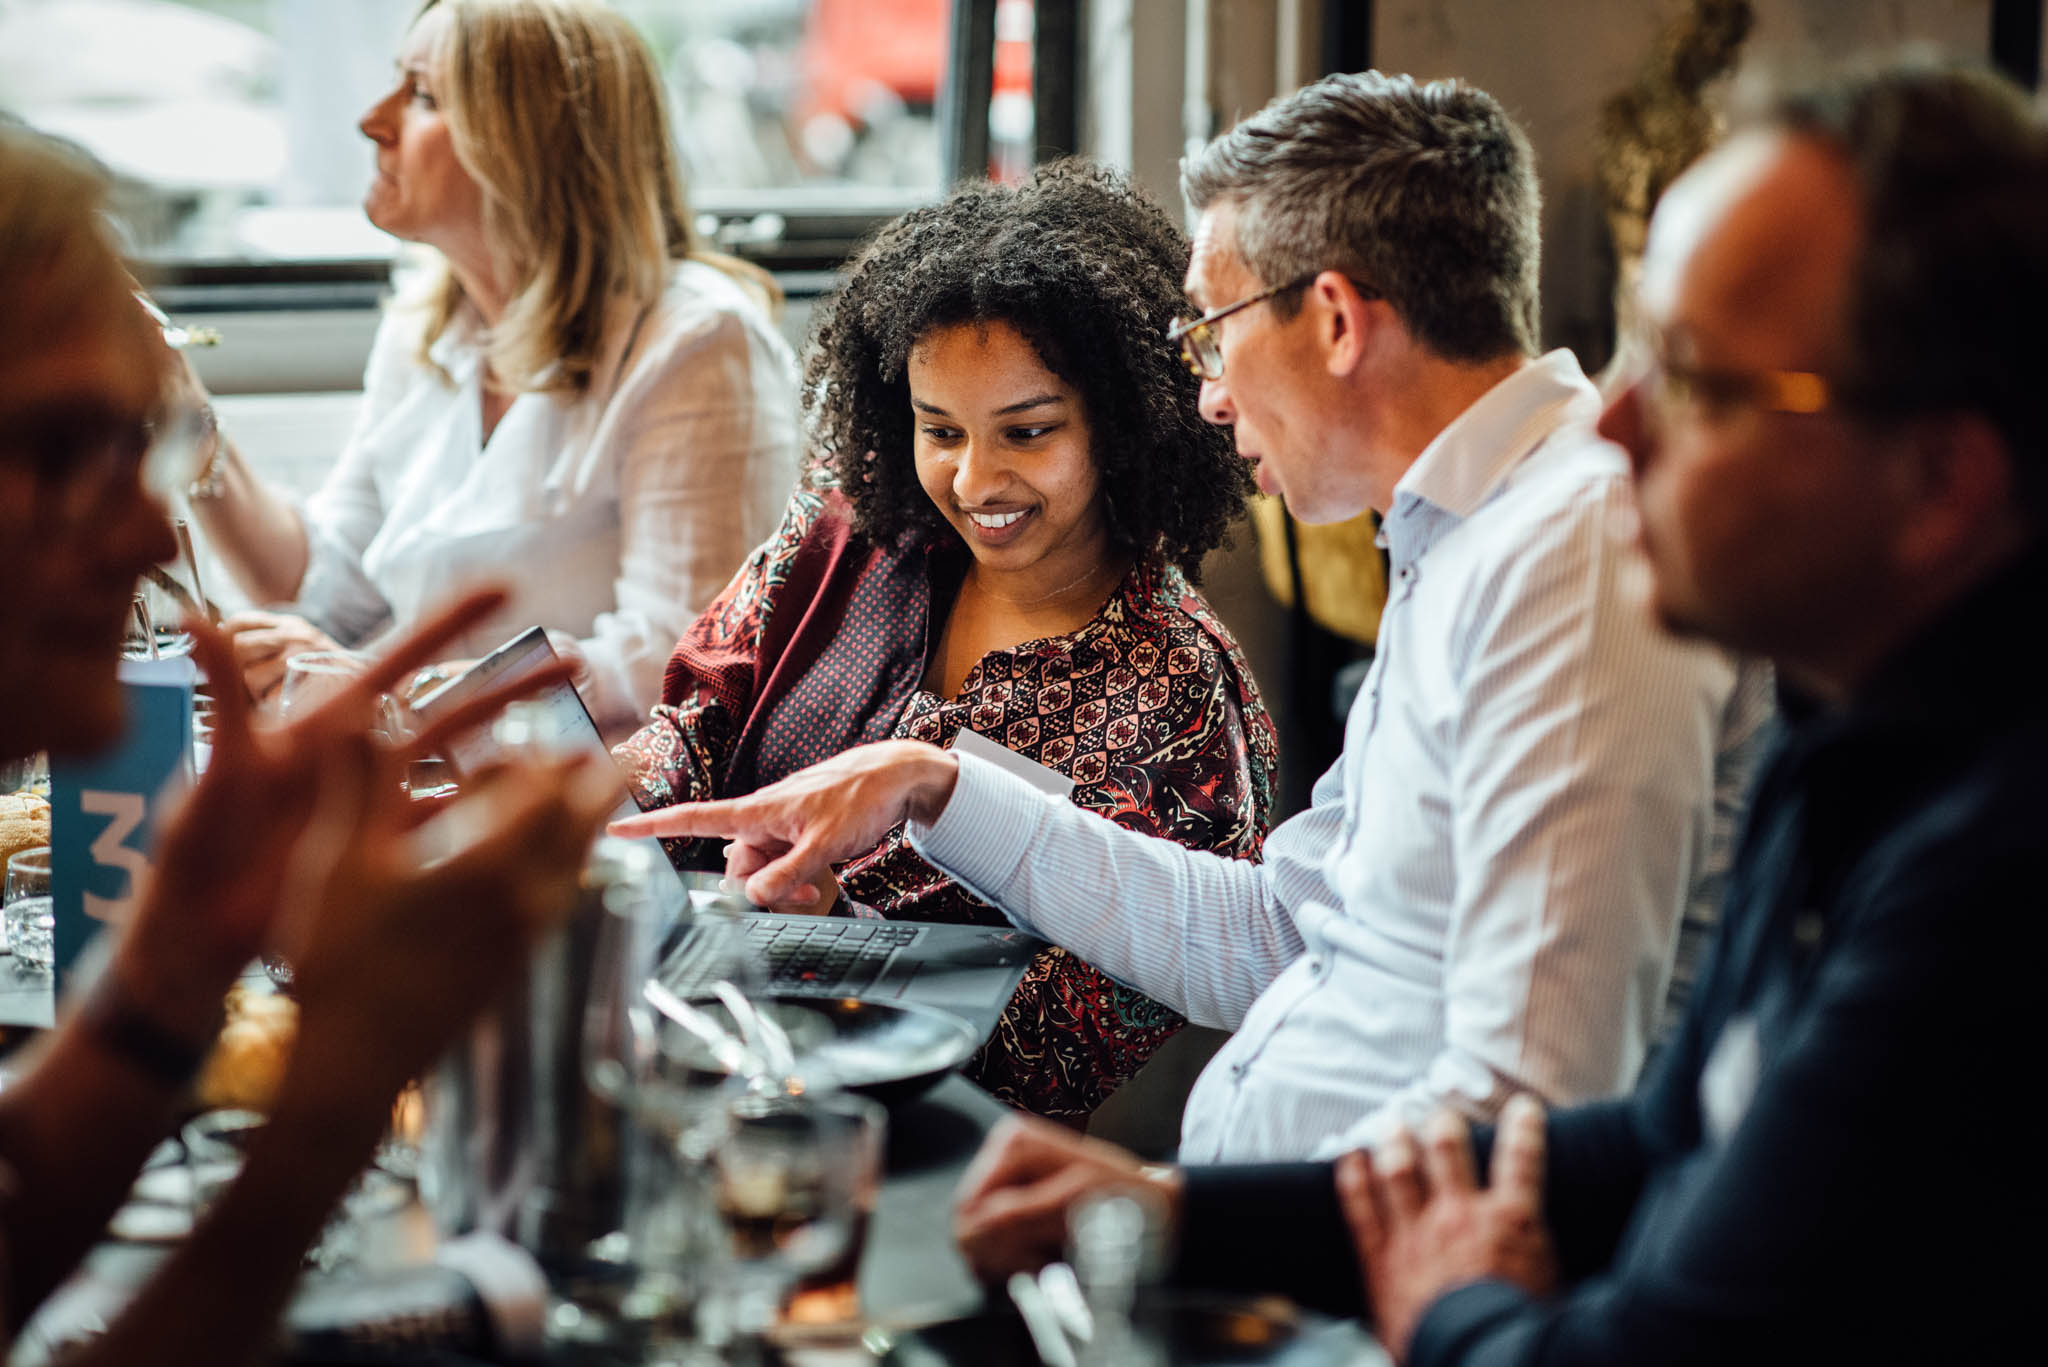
point(911, 1272)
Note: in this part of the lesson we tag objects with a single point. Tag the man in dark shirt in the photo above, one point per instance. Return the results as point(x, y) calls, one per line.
point(1841, 457)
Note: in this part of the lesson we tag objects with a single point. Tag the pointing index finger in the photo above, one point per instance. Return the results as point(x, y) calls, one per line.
point(686, 819)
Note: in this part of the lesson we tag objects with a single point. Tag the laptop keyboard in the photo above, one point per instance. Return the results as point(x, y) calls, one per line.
point(828, 957)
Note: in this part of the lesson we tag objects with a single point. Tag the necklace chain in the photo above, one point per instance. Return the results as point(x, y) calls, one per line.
point(1091, 572)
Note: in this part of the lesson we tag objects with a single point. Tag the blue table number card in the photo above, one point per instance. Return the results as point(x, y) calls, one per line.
point(104, 810)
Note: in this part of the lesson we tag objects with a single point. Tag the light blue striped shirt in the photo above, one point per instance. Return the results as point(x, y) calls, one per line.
point(1485, 894)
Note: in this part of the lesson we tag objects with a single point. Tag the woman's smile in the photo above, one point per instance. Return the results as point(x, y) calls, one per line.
point(1004, 450)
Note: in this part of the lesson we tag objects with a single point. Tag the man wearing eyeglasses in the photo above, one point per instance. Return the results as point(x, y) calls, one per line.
point(299, 837)
point(1485, 895)
point(1839, 454)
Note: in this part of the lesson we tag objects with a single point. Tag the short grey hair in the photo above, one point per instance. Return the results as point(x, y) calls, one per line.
point(1424, 191)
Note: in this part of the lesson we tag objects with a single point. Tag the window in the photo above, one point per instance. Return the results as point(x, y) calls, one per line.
point(230, 124)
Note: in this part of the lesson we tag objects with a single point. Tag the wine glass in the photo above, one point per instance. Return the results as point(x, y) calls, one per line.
point(795, 1180)
point(313, 676)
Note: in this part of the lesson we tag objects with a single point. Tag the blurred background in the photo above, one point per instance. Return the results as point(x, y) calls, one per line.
point(230, 128)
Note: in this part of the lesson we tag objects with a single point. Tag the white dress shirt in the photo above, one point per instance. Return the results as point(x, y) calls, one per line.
point(614, 517)
point(1485, 894)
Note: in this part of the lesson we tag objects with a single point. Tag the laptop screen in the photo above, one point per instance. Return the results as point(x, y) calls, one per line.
point(564, 722)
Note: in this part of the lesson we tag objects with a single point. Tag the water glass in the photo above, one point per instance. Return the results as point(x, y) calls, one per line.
point(795, 1180)
point(365, 1229)
point(639, 1288)
point(31, 915)
point(313, 676)
point(216, 1142)
point(29, 774)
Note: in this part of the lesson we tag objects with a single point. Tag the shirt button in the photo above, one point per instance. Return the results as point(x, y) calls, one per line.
point(1237, 1070)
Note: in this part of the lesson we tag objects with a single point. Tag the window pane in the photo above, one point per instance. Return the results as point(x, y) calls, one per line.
point(230, 124)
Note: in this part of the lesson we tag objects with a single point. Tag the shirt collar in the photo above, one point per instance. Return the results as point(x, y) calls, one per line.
point(456, 349)
point(1466, 464)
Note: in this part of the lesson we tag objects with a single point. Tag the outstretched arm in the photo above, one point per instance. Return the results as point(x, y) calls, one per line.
point(76, 1127)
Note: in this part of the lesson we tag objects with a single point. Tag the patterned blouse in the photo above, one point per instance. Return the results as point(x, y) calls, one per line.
point(820, 643)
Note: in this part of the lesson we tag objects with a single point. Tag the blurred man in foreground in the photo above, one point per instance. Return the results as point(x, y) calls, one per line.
point(1841, 457)
point(297, 839)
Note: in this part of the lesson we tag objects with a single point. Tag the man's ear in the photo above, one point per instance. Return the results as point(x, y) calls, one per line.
point(1343, 321)
point(1960, 469)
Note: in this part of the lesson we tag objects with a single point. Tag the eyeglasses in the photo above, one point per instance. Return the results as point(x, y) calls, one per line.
point(1721, 391)
point(1672, 387)
point(1202, 349)
point(79, 459)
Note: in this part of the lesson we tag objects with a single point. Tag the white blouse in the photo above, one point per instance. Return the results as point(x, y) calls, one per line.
point(614, 517)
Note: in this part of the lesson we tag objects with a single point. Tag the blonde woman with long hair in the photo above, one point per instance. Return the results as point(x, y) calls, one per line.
point(577, 395)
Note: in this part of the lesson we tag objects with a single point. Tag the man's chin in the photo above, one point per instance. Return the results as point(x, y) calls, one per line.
point(1676, 619)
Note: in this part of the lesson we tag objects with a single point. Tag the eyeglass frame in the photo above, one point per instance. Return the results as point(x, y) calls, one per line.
point(1672, 384)
point(76, 470)
point(1801, 393)
point(1183, 328)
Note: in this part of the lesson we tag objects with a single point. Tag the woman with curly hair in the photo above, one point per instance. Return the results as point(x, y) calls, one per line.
point(1012, 490)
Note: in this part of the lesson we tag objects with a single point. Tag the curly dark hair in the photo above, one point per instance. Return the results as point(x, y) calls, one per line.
point(1088, 270)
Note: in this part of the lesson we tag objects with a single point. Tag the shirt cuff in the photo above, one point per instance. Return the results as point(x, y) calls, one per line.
point(983, 833)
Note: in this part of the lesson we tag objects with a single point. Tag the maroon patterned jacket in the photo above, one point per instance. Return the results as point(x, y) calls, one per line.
point(820, 643)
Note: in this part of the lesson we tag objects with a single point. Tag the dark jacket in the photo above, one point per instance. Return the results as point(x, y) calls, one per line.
point(1867, 1196)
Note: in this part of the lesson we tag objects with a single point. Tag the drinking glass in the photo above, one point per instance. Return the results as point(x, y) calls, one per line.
point(216, 1142)
point(31, 917)
point(364, 1229)
point(313, 676)
point(172, 591)
point(29, 774)
point(795, 1180)
point(139, 640)
point(643, 1281)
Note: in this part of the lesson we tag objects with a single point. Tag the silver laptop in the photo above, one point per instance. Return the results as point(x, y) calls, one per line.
point(970, 971)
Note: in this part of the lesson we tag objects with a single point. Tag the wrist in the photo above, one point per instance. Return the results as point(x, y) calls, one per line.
point(207, 484)
point(938, 773)
point(166, 1046)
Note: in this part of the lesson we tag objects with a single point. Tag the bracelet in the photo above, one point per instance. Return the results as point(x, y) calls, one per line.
point(139, 1040)
point(208, 484)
